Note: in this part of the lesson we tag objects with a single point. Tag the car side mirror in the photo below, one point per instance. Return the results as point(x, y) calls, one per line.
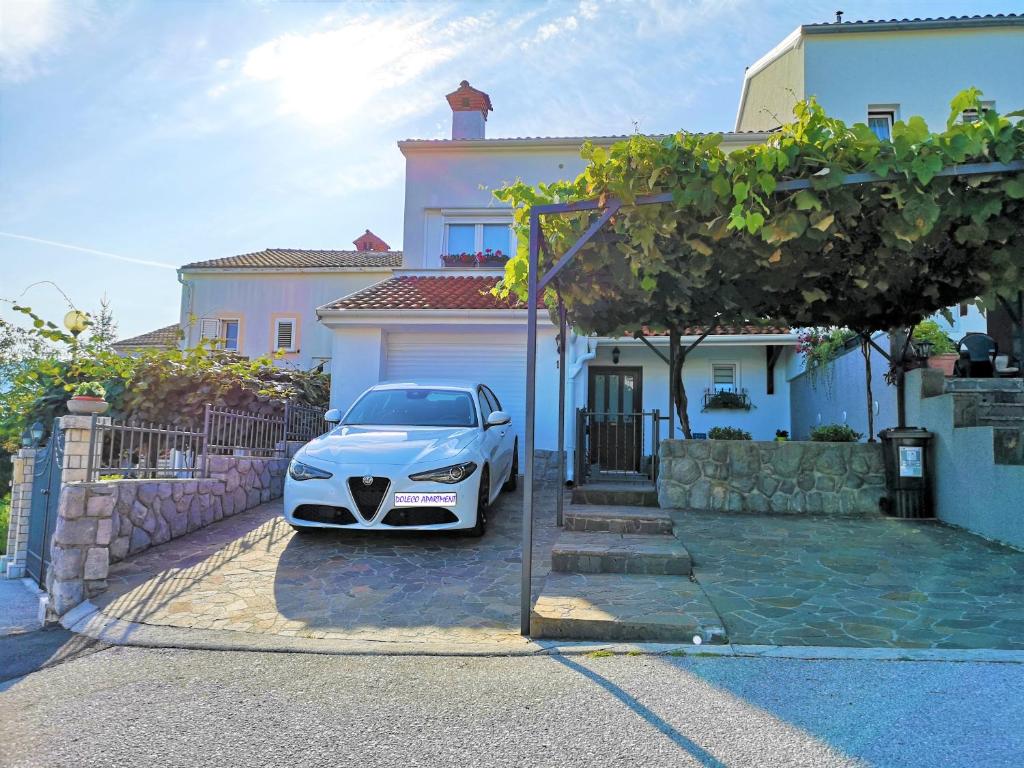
point(497, 418)
point(333, 416)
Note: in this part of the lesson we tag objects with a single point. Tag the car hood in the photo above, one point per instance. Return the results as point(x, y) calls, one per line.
point(395, 446)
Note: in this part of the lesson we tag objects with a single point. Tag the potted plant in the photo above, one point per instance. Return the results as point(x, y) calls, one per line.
point(781, 435)
point(88, 399)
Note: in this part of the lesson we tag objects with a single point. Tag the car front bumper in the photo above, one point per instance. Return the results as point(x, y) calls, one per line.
point(320, 503)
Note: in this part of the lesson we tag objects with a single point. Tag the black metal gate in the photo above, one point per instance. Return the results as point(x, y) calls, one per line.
point(43, 512)
point(617, 446)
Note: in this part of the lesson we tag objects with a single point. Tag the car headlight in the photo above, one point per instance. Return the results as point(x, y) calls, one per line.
point(456, 473)
point(299, 471)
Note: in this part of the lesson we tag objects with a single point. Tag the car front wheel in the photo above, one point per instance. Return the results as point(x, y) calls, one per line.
point(482, 504)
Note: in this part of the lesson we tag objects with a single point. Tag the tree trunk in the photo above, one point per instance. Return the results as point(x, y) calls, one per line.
point(865, 348)
point(676, 377)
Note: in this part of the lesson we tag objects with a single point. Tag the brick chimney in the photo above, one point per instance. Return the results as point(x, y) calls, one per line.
point(370, 242)
point(469, 111)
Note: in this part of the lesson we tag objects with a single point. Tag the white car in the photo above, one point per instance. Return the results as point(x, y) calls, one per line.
point(406, 456)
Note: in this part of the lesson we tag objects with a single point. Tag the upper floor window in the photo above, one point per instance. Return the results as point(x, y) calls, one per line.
point(970, 115)
point(223, 330)
point(284, 335)
point(465, 239)
point(723, 377)
point(881, 121)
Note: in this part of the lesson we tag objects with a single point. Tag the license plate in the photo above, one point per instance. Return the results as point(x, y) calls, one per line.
point(425, 499)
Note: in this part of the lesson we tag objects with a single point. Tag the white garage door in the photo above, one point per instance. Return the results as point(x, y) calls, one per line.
point(495, 359)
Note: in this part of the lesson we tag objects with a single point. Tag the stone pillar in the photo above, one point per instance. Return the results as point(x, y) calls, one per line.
point(80, 550)
point(21, 505)
point(77, 430)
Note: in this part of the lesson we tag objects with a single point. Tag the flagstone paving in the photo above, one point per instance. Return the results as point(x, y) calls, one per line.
point(252, 573)
point(799, 580)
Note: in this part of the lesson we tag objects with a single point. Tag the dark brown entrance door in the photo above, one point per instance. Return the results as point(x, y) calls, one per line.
point(615, 401)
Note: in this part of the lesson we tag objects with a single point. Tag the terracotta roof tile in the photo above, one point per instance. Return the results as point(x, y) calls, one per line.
point(428, 292)
point(168, 336)
point(284, 258)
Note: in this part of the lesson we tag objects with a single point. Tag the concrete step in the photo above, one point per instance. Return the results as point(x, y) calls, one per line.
point(575, 552)
point(983, 385)
point(593, 518)
point(1002, 410)
point(623, 608)
point(616, 494)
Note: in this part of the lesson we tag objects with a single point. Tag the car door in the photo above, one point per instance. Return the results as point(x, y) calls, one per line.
point(491, 446)
point(507, 443)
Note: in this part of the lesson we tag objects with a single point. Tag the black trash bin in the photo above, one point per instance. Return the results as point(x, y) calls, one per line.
point(908, 470)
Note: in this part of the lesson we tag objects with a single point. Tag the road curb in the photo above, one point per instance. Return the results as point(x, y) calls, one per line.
point(96, 625)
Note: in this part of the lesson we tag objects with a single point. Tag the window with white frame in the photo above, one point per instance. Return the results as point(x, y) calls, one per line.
point(971, 115)
point(723, 377)
point(285, 329)
point(881, 121)
point(222, 330)
point(477, 237)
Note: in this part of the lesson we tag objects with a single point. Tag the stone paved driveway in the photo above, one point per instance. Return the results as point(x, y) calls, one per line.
point(252, 573)
point(796, 580)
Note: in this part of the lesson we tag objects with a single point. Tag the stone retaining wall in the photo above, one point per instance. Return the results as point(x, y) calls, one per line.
point(102, 523)
point(841, 479)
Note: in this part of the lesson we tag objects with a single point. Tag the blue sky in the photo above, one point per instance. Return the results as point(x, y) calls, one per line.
point(139, 136)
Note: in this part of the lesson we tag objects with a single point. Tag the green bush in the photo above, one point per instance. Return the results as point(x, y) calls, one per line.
point(5, 513)
point(165, 386)
point(728, 433)
point(835, 433)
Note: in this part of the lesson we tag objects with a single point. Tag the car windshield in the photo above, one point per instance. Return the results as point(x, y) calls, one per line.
point(414, 408)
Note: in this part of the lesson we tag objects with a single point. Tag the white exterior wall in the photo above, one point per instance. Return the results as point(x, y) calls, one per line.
point(452, 178)
point(770, 412)
point(258, 298)
point(920, 71)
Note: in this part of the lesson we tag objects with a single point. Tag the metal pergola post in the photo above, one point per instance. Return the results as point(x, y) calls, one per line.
point(562, 341)
point(537, 283)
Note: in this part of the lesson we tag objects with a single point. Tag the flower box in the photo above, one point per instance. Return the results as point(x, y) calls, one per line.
point(486, 258)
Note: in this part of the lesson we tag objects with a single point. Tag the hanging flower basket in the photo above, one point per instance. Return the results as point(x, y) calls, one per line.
point(487, 258)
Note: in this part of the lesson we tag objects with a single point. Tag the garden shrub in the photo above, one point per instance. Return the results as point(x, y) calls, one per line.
point(835, 433)
point(728, 433)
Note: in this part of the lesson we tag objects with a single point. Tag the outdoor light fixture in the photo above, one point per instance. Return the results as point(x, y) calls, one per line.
point(924, 349)
point(76, 321)
point(615, 355)
point(36, 432)
point(26, 439)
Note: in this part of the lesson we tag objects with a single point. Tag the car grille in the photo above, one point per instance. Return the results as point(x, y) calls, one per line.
point(368, 497)
point(321, 513)
point(419, 516)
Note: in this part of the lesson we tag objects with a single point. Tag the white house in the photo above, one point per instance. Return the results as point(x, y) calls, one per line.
point(435, 320)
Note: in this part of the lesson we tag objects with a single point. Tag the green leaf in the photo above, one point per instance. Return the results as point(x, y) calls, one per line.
point(754, 222)
point(1014, 188)
point(740, 191)
point(806, 200)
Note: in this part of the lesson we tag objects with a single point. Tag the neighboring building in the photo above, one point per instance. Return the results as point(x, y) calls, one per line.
point(879, 72)
point(167, 337)
point(261, 303)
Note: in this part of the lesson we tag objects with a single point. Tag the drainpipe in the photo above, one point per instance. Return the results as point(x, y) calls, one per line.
point(186, 308)
point(577, 364)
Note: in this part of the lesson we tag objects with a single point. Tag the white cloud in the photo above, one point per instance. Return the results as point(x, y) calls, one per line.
point(30, 31)
point(588, 9)
point(361, 68)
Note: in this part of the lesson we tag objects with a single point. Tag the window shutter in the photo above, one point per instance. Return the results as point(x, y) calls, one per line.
point(209, 328)
point(285, 334)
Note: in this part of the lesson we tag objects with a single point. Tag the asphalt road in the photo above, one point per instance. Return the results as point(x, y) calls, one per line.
point(137, 707)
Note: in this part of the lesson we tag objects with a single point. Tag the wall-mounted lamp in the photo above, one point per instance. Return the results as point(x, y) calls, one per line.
point(615, 355)
point(31, 437)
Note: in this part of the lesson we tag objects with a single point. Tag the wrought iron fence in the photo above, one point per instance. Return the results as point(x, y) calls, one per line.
point(141, 450)
point(121, 449)
point(304, 422)
point(617, 446)
point(242, 433)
